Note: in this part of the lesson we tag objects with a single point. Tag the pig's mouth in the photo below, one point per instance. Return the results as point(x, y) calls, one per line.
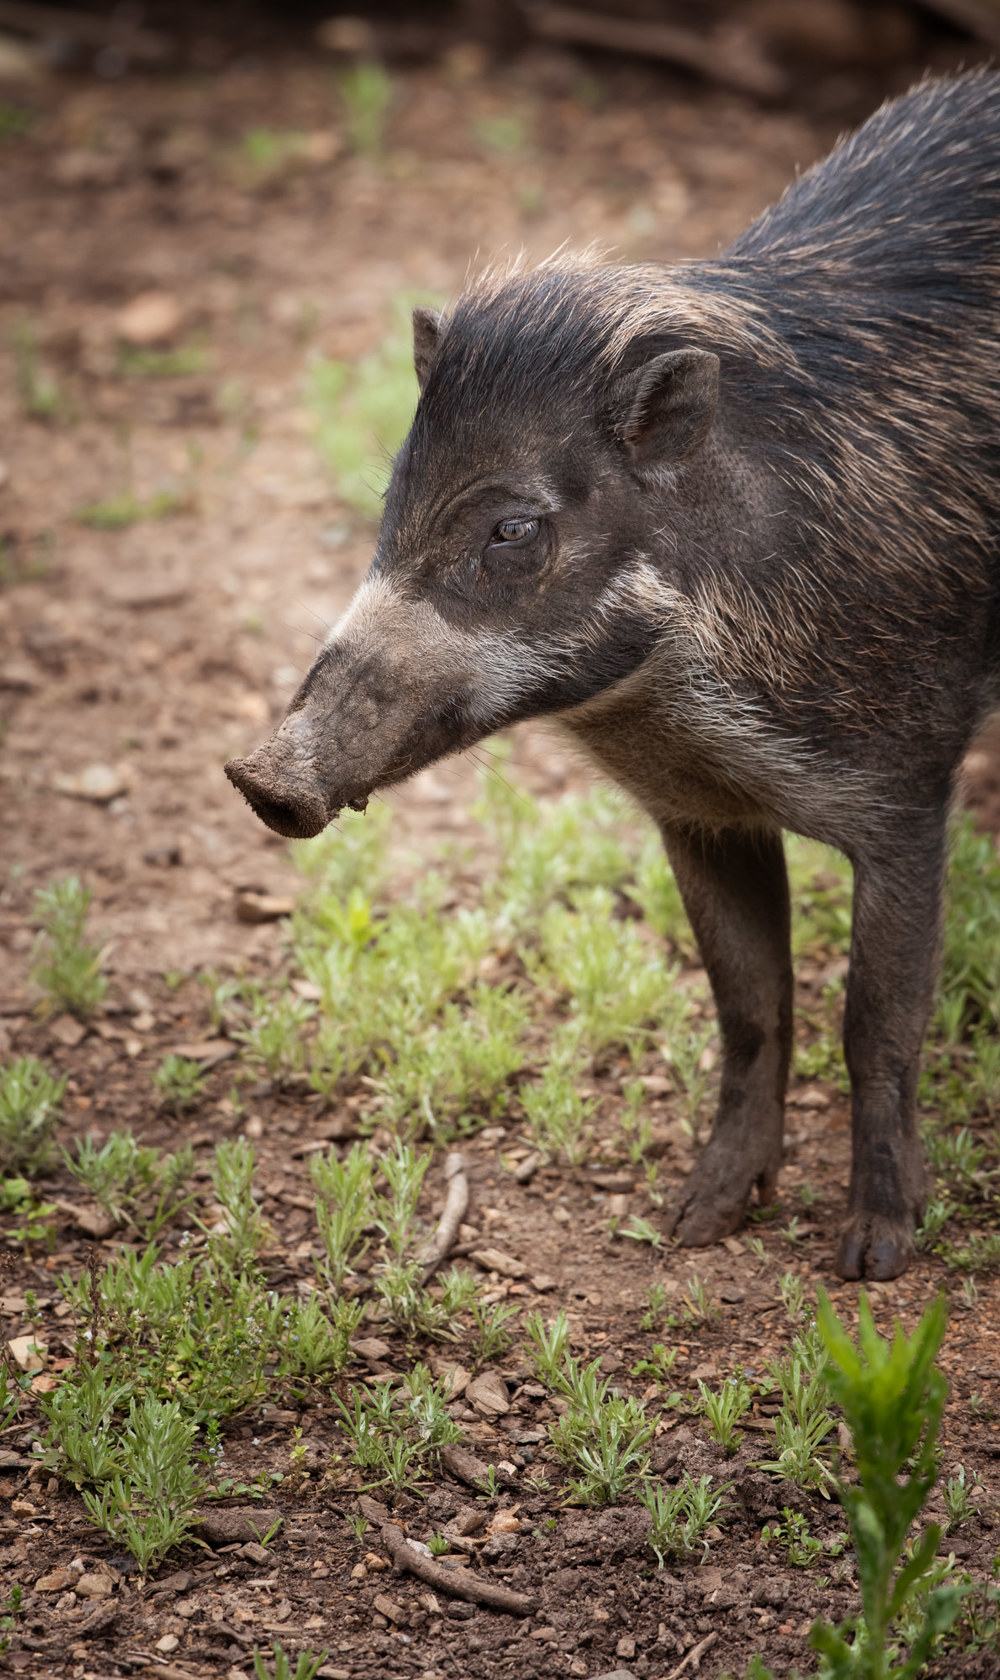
point(295, 812)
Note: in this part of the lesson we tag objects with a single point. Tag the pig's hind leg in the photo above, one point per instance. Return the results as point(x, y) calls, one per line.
point(894, 948)
point(735, 890)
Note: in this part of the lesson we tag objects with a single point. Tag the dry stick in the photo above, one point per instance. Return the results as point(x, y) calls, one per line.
point(694, 1656)
point(406, 1556)
point(456, 1206)
point(731, 57)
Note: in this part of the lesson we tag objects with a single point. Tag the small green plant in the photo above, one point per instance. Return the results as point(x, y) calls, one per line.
point(180, 1082)
point(366, 93)
point(344, 1207)
point(659, 1365)
point(958, 1499)
point(244, 1227)
point(361, 413)
point(133, 1182)
point(551, 1345)
point(116, 513)
point(724, 1410)
point(10, 1612)
point(658, 1305)
point(307, 1664)
point(274, 1035)
point(147, 1505)
point(699, 1305)
point(802, 1548)
point(10, 1398)
point(64, 964)
point(802, 1426)
point(437, 1545)
point(557, 1112)
point(30, 1101)
point(640, 1230)
point(39, 391)
point(489, 1335)
point(793, 1295)
point(893, 1399)
point(680, 1516)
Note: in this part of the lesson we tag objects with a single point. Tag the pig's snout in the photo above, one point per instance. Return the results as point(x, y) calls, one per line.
point(277, 798)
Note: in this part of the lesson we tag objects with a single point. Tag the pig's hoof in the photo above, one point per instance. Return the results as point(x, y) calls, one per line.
point(873, 1246)
point(714, 1201)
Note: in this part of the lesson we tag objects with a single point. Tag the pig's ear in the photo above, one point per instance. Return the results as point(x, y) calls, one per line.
point(667, 406)
point(427, 324)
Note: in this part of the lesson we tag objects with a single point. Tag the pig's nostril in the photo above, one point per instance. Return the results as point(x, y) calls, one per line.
point(291, 812)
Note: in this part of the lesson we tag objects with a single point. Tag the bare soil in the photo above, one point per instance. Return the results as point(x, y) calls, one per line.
point(163, 649)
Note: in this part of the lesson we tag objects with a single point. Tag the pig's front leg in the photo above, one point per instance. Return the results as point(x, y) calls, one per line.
point(735, 890)
point(890, 989)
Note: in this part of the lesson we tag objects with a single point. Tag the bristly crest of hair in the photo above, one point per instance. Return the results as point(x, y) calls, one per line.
point(531, 334)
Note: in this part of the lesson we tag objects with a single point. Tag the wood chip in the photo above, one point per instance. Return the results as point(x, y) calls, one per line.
point(262, 907)
point(208, 1051)
point(487, 1393)
point(495, 1260)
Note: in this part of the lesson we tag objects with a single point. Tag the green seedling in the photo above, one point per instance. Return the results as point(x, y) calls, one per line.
point(147, 1505)
point(793, 1295)
point(237, 1245)
point(558, 1114)
point(550, 1346)
point(10, 1612)
point(318, 1342)
point(680, 1516)
point(801, 1547)
point(117, 513)
point(366, 94)
point(10, 1398)
point(39, 391)
point(179, 363)
point(893, 1398)
point(490, 1336)
point(804, 1423)
point(344, 1207)
point(16, 1198)
point(636, 1126)
point(361, 413)
point(437, 1545)
point(959, 1501)
point(640, 1230)
point(30, 1102)
point(488, 1486)
point(699, 1305)
point(274, 1036)
point(657, 1308)
point(307, 1664)
point(724, 1410)
point(64, 964)
point(614, 1457)
point(132, 1182)
point(180, 1082)
point(659, 1366)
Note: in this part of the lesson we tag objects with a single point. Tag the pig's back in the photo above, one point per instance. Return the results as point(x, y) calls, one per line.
point(911, 198)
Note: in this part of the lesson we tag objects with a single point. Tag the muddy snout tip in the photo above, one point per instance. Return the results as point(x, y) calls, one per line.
point(289, 811)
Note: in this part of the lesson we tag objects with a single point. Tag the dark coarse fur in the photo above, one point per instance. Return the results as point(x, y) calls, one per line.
point(754, 571)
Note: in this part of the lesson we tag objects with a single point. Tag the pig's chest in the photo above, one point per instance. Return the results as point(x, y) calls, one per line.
point(687, 758)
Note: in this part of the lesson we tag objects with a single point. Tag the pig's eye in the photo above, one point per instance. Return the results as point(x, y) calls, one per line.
point(514, 533)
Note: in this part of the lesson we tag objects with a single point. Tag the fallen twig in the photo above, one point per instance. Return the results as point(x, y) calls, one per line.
point(730, 56)
point(456, 1206)
point(693, 1658)
point(460, 1583)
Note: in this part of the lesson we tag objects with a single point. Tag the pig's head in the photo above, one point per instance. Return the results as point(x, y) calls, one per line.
point(558, 415)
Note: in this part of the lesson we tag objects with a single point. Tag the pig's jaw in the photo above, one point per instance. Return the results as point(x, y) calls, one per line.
point(397, 687)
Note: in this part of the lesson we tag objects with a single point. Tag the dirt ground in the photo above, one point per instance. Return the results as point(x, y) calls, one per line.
point(160, 650)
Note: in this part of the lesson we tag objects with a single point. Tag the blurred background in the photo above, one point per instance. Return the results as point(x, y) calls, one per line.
point(214, 220)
